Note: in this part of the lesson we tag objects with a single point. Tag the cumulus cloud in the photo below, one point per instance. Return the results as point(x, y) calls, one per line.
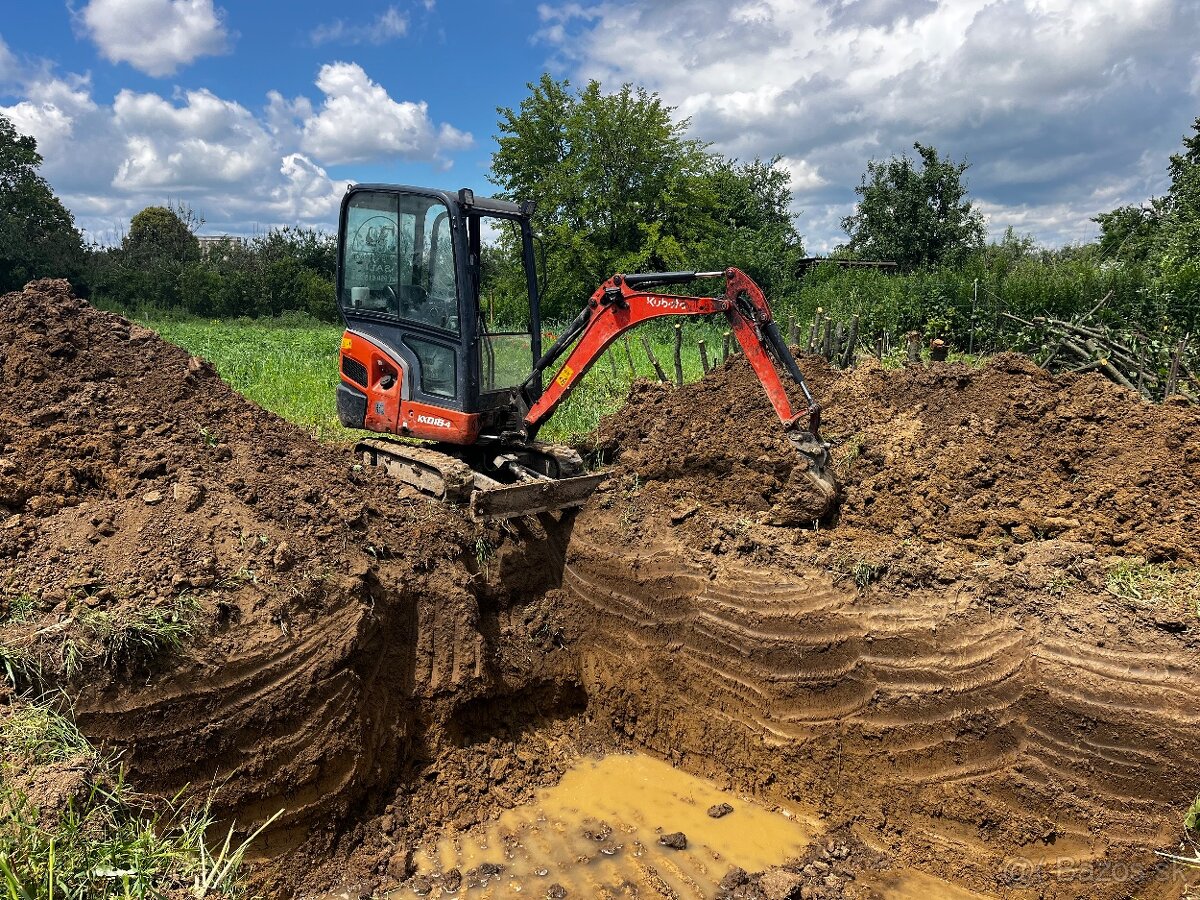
point(359, 121)
point(154, 36)
point(238, 167)
point(387, 26)
point(1052, 101)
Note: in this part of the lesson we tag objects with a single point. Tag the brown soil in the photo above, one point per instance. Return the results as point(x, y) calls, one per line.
point(343, 635)
point(938, 670)
point(940, 666)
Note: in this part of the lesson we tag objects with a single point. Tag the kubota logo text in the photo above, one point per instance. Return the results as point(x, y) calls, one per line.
point(665, 303)
point(435, 421)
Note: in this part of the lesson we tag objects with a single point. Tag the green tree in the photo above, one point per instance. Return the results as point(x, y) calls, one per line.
point(914, 212)
point(1129, 233)
point(1164, 235)
point(163, 234)
point(37, 234)
point(619, 187)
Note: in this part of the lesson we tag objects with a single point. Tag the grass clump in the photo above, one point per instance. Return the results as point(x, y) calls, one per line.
point(1154, 584)
point(90, 836)
point(136, 636)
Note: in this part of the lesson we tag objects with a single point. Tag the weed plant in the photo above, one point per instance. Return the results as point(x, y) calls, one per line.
point(106, 841)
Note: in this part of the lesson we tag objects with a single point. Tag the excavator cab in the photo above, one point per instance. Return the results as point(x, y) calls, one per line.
point(418, 356)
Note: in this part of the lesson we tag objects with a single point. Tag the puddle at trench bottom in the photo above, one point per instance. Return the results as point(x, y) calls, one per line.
point(598, 829)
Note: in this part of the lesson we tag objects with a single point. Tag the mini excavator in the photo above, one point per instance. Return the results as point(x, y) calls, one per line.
point(420, 359)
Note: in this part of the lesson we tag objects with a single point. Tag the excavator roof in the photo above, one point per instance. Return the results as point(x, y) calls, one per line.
point(465, 198)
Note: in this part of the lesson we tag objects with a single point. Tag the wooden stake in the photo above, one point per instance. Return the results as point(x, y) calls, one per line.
point(835, 355)
point(725, 346)
point(703, 355)
point(879, 347)
point(793, 332)
point(827, 350)
point(678, 355)
point(815, 334)
point(658, 369)
point(629, 357)
point(851, 344)
point(914, 347)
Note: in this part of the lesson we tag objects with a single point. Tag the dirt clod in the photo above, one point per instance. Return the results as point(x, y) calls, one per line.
point(720, 810)
point(676, 840)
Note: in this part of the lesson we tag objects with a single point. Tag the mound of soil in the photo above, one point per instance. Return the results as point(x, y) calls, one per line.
point(946, 665)
point(232, 603)
point(942, 454)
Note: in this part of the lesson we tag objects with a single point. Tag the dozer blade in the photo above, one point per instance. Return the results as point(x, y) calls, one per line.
point(449, 479)
point(504, 501)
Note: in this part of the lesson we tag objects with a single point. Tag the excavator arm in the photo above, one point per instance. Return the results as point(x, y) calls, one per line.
point(622, 303)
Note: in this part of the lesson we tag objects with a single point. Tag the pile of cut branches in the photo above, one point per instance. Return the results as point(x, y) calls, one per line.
point(1153, 365)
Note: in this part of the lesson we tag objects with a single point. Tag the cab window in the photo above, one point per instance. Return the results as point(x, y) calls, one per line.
point(398, 259)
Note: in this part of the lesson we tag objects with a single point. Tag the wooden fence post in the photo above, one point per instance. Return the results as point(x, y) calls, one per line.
point(851, 344)
point(703, 355)
point(835, 355)
point(793, 332)
point(678, 355)
point(658, 369)
point(827, 349)
point(815, 335)
point(914, 347)
point(725, 346)
point(629, 356)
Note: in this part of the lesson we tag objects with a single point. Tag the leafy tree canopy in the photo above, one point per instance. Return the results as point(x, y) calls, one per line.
point(914, 212)
point(619, 187)
point(164, 232)
point(37, 234)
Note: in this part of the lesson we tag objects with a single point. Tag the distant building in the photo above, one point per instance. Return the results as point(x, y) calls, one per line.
point(811, 262)
point(209, 242)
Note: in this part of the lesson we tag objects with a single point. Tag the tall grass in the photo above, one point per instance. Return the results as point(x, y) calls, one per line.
point(291, 368)
point(104, 840)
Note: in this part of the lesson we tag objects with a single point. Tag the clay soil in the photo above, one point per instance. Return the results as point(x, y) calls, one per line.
point(941, 670)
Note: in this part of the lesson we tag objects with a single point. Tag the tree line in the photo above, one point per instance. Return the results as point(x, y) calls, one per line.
point(618, 186)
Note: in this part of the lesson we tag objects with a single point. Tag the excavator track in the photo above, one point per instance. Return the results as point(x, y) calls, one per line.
point(434, 474)
point(547, 478)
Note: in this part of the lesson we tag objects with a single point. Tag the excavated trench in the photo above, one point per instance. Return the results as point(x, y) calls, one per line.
point(944, 680)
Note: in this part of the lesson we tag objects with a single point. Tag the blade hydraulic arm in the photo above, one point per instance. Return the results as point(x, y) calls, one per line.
point(623, 302)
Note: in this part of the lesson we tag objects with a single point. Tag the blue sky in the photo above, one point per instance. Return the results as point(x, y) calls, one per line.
point(258, 113)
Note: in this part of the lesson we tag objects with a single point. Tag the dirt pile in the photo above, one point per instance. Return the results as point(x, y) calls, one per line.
point(967, 665)
point(944, 453)
point(233, 603)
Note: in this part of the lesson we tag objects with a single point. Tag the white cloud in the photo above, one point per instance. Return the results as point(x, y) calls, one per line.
point(804, 176)
point(239, 168)
point(359, 121)
point(206, 141)
point(154, 36)
point(8, 63)
point(387, 26)
point(1048, 99)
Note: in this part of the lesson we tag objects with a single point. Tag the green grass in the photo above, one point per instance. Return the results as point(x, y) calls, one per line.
point(1155, 584)
point(105, 841)
point(292, 369)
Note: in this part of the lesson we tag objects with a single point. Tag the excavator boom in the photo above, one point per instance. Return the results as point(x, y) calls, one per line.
point(621, 304)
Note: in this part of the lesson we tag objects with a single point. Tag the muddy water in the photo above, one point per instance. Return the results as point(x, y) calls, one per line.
point(597, 833)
